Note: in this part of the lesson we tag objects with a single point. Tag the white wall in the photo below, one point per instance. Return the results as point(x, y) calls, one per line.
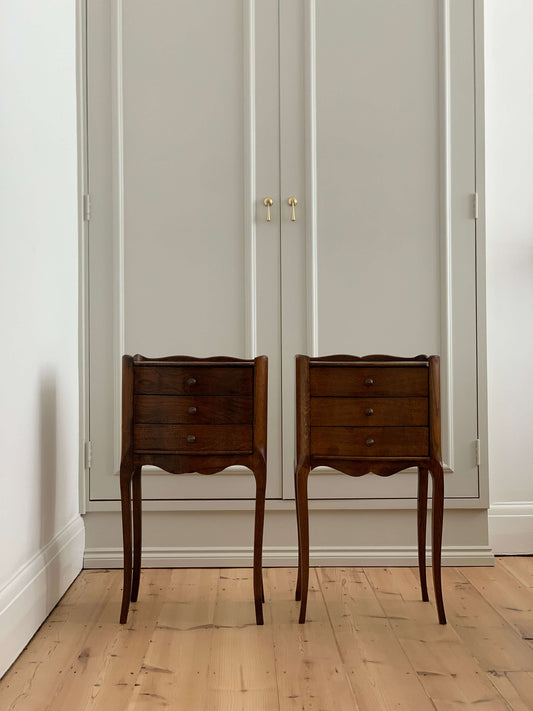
point(509, 209)
point(41, 535)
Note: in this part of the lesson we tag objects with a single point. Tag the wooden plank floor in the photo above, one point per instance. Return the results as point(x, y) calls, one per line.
point(370, 644)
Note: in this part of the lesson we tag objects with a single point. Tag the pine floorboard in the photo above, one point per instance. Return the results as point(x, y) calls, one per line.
point(369, 643)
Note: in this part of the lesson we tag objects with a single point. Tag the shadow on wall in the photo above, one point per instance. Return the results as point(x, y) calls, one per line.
point(48, 472)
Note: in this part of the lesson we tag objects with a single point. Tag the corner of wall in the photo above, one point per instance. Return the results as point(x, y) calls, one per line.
point(29, 596)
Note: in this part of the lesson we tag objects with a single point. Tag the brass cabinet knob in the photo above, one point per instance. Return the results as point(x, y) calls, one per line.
point(369, 381)
point(369, 442)
point(293, 202)
point(192, 410)
point(191, 438)
point(268, 202)
point(369, 411)
point(191, 381)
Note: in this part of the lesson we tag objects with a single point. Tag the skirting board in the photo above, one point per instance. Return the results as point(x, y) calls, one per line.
point(511, 527)
point(282, 557)
point(29, 596)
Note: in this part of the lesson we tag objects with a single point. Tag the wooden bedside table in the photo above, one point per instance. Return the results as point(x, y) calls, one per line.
point(186, 414)
point(377, 414)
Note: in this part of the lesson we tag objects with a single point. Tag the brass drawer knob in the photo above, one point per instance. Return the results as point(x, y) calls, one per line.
point(192, 410)
point(369, 381)
point(369, 442)
point(191, 381)
point(369, 411)
point(191, 438)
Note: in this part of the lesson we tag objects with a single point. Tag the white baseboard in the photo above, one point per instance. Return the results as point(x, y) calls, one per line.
point(511, 527)
point(29, 596)
point(235, 557)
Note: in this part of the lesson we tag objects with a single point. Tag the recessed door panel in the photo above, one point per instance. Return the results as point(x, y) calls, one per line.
point(183, 159)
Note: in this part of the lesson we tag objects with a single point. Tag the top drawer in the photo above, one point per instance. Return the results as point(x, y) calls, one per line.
point(184, 380)
point(369, 381)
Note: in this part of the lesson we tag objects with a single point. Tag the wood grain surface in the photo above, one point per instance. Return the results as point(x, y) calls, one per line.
point(369, 643)
point(370, 441)
point(347, 381)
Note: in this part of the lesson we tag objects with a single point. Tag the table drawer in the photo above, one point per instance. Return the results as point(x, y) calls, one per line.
point(193, 439)
point(365, 412)
point(200, 410)
point(370, 441)
point(184, 380)
point(343, 381)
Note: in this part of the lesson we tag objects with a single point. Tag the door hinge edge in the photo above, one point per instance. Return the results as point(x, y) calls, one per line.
point(478, 452)
point(88, 454)
point(86, 207)
point(475, 205)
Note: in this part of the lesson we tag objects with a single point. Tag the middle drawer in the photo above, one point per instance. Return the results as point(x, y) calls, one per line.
point(368, 412)
point(193, 409)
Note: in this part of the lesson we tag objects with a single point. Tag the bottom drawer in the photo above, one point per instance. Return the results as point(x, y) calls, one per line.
point(370, 441)
point(193, 439)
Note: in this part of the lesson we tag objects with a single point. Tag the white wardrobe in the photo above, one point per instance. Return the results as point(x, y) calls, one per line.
point(369, 113)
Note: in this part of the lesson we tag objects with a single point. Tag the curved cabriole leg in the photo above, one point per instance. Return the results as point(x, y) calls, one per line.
point(303, 538)
point(436, 544)
point(422, 510)
point(125, 496)
point(260, 487)
point(298, 595)
point(137, 533)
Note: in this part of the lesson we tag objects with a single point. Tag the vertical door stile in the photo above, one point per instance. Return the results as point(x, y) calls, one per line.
point(445, 228)
point(463, 385)
point(294, 145)
point(117, 122)
point(311, 178)
point(480, 230)
point(264, 62)
point(249, 171)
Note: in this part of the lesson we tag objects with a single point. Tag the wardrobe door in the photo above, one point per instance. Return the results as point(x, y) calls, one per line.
point(183, 134)
point(378, 146)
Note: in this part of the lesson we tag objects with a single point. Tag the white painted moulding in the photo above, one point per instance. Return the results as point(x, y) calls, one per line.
point(225, 505)
point(511, 527)
point(32, 592)
point(235, 557)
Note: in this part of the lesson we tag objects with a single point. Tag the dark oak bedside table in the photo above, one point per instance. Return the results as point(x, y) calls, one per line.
point(186, 414)
point(377, 414)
